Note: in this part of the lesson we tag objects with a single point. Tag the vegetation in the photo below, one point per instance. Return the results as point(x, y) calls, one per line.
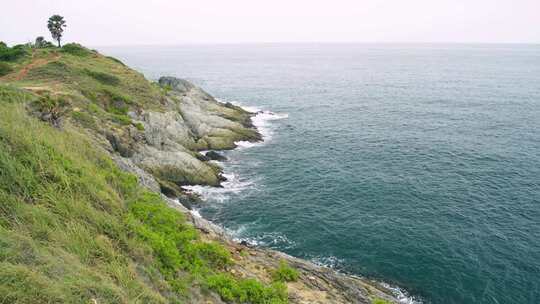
point(379, 301)
point(76, 49)
point(104, 78)
point(52, 109)
point(13, 53)
point(247, 290)
point(56, 25)
point(285, 273)
point(42, 43)
point(73, 227)
point(5, 69)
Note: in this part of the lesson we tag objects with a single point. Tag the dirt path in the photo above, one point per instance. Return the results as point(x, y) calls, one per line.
point(21, 74)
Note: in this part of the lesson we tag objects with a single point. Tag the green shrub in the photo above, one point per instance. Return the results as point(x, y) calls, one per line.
point(139, 126)
point(12, 54)
point(5, 69)
point(214, 255)
point(76, 50)
point(114, 95)
point(117, 104)
point(85, 119)
point(380, 301)
point(104, 78)
point(52, 108)
point(285, 273)
point(94, 108)
point(247, 290)
point(41, 43)
point(121, 119)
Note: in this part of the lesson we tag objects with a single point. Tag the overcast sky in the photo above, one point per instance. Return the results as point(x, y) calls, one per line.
point(121, 22)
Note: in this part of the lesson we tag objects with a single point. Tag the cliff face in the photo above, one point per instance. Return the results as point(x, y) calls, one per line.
point(93, 107)
point(188, 120)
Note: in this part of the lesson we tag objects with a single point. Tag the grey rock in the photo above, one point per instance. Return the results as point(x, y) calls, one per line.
point(145, 179)
point(213, 155)
point(177, 84)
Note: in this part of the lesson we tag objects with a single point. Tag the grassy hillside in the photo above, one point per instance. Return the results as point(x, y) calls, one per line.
point(73, 227)
point(94, 83)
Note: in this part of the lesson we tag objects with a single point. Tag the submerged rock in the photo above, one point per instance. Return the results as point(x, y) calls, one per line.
point(213, 155)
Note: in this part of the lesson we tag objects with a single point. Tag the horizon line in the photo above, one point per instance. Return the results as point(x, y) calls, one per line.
point(314, 42)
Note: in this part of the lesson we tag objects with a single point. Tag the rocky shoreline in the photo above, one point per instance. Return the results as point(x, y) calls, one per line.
point(195, 121)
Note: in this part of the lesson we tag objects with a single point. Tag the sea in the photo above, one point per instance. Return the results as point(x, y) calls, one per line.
point(415, 165)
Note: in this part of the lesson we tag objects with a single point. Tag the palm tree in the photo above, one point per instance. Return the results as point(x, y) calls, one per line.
point(56, 26)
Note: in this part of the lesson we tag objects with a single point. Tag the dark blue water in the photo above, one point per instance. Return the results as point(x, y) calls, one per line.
point(417, 165)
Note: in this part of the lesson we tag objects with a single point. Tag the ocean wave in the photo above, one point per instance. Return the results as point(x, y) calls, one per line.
point(261, 121)
point(327, 261)
point(273, 240)
point(233, 185)
point(402, 296)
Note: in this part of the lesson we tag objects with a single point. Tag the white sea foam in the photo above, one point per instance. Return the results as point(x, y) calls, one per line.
point(232, 185)
point(327, 261)
point(260, 121)
point(402, 296)
point(195, 213)
point(272, 239)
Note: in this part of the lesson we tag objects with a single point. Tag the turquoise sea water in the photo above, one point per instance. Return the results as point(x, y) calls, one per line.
point(417, 165)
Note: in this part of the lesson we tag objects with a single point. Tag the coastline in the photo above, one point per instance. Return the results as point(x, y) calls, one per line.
point(346, 283)
point(116, 120)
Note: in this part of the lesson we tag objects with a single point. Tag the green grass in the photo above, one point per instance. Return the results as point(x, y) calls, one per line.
point(380, 301)
point(86, 120)
point(77, 50)
point(5, 69)
point(104, 78)
point(285, 273)
point(139, 126)
point(247, 290)
point(74, 228)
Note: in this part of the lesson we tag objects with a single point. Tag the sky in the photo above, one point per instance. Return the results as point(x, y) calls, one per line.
point(162, 22)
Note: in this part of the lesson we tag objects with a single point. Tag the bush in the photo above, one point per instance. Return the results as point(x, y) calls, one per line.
point(76, 50)
point(247, 291)
point(104, 78)
point(139, 126)
point(5, 69)
point(379, 301)
point(12, 54)
point(117, 104)
point(285, 273)
point(121, 119)
point(85, 119)
point(42, 43)
point(52, 108)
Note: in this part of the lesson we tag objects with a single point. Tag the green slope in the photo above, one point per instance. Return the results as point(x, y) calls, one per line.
point(73, 227)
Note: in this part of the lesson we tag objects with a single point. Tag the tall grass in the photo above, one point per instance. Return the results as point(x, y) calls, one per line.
point(74, 228)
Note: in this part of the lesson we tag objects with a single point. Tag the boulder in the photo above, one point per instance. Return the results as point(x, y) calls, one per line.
point(213, 155)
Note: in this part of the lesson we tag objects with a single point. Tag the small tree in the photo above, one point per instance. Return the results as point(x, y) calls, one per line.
point(56, 26)
point(42, 43)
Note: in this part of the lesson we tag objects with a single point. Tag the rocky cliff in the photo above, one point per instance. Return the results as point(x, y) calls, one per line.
point(92, 109)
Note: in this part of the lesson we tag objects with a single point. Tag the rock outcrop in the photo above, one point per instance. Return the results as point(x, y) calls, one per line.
point(188, 121)
point(166, 157)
